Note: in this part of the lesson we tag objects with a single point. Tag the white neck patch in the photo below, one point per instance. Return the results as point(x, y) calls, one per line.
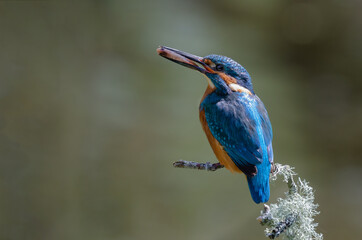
point(237, 88)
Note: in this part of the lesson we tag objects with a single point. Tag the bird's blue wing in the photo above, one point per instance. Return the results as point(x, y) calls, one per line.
point(241, 124)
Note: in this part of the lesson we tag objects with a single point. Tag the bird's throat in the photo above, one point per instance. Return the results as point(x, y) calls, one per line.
point(210, 84)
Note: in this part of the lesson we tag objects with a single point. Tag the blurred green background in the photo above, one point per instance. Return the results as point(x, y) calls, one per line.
point(91, 118)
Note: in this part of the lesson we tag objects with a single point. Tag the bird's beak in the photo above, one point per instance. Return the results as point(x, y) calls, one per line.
point(185, 59)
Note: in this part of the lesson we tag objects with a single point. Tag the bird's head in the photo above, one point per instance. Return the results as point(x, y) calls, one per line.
point(224, 74)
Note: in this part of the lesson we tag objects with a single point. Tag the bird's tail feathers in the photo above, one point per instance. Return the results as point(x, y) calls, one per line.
point(259, 184)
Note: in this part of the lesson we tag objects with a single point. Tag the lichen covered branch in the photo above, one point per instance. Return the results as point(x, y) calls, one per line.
point(294, 214)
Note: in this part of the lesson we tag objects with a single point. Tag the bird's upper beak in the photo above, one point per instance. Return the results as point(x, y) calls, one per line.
point(185, 59)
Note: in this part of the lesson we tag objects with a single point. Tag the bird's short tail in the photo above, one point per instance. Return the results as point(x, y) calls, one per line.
point(259, 184)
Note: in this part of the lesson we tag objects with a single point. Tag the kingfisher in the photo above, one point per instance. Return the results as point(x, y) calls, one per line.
point(233, 118)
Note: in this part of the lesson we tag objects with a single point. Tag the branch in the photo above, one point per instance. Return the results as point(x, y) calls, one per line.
point(200, 166)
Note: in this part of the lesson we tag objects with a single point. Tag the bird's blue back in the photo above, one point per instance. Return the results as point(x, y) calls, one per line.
point(240, 123)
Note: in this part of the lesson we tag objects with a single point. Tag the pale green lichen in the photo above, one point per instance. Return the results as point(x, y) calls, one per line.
point(292, 216)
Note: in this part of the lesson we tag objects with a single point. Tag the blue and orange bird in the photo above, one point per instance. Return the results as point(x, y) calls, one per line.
point(233, 117)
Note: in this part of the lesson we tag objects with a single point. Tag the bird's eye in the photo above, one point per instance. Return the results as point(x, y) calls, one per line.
point(219, 67)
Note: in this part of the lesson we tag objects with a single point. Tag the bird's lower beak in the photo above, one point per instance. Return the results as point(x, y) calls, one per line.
point(185, 59)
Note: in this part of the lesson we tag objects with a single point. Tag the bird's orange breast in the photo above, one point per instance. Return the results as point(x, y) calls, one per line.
point(219, 151)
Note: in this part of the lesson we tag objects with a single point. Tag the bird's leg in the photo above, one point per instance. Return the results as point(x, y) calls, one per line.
point(273, 169)
point(200, 166)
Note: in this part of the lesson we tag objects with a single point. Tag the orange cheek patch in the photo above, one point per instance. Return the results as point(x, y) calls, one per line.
point(227, 78)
